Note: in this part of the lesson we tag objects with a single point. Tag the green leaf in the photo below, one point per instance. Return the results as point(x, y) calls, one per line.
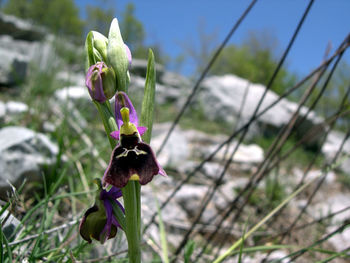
point(188, 251)
point(162, 232)
point(89, 49)
point(148, 98)
point(4, 240)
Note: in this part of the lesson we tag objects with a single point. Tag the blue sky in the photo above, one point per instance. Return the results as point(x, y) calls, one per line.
point(170, 23)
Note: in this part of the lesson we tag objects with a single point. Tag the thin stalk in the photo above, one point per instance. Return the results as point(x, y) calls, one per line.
point(132, 229)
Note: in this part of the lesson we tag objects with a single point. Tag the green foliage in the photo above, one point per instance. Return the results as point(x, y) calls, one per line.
point(274, 190)
point(256, 61)
point(188, 251)
point(59, 16)
point(18, 8)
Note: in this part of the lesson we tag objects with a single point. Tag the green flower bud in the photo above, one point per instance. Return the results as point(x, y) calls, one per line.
point(100, 81)
point(117, 56)
point(95, 48)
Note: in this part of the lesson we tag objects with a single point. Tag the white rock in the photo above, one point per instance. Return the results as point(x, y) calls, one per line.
point(332, 204)
point(341, 240)
point(176, 150)
point(15, 107)
point(331, 146)
point(298, 176)
point(245, 153)
point(72, 92)
point(333, 142)
point(10, 223)
point(23, 153)
point(2, 110)
point(222, 98)
point(70, 77)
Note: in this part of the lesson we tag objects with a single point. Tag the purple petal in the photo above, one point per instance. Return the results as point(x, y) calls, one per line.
point(115, 135)
point(161, 170)
point(116, 223)
point(142, 130)
point(95, 86)
point(122, 100)
point(121, 206)
point(115, 192)
point(108, 226)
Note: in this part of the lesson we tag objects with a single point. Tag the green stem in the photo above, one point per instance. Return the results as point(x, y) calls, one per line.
point(108, 120)
point(132, 213)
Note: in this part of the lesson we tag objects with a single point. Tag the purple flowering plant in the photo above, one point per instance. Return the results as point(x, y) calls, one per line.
point(131, 159)
point(133, 162)
point(99, 222)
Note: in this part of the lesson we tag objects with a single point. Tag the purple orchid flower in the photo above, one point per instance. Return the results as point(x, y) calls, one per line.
point(122, 100)
point(99, 221)
point(131, 159)
point(101, 82)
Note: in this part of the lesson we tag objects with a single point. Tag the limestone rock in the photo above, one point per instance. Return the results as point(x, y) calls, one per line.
point(20, 29)
point(23, 153)
point(222, 97)
point(176, 150)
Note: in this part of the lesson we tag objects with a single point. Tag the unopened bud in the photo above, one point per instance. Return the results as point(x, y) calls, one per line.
point(101, 82)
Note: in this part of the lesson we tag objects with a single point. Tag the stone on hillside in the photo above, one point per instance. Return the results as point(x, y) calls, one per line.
point(2, 110)
point(173, 216)
point(139, 68)
point(16, 107)
point(331, 204)
point(190, 198)
point(298, 175)
point(176, 150)
point(174, 80)
point(164, 94)
point(72, 93)
point(245, 154)
point(331, 146)
point(13, 63)
point(76, 79)
point(23, 154)
point(9, 224)
point(222, 97)
point(20, 29)
point(17, 54)
point(341, 240)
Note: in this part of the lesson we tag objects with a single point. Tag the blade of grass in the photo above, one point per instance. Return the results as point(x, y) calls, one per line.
point(335, 255)
point(242, 243)
point(260, 249)
point(42, 224)
point(8, 249)
point(163, 241)
point(1, 244)
point(188, 251)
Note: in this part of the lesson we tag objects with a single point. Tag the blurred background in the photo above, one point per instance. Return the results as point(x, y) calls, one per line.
point(252, 102)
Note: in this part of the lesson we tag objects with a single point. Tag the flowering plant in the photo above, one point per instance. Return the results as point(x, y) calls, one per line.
point(133, 162)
